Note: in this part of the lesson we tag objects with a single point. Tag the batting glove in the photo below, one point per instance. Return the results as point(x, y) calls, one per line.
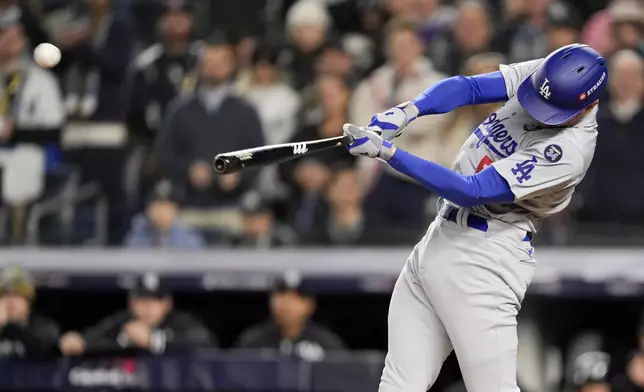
point(367, 142)
point(392, 122)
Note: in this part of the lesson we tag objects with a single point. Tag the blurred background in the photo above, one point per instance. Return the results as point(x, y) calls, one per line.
point(127, 263)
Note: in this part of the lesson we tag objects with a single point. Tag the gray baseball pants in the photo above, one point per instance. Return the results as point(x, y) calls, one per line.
point(460, 289)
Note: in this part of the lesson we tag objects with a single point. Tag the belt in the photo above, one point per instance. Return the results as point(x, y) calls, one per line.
point(450, 213)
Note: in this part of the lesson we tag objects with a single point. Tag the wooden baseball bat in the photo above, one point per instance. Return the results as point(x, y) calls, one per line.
point(234, 161)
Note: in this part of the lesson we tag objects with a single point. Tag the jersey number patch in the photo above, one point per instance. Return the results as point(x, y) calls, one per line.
point(523, 169)
point(485, 162)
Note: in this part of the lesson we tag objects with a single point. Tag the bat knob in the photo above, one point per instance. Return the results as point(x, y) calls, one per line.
point(221, 164)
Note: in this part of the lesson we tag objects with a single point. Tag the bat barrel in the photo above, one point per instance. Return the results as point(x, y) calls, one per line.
point(221, 164)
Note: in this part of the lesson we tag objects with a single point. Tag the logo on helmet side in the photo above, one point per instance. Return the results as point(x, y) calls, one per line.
point(594, 88)
point(544, 90)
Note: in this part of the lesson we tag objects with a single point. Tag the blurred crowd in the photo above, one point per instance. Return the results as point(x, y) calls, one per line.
point(114, 146)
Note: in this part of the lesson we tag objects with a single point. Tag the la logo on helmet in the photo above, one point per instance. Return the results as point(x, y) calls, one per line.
point(544, 90)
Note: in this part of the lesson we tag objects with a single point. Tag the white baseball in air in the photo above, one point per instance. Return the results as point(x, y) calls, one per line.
point(47, 55)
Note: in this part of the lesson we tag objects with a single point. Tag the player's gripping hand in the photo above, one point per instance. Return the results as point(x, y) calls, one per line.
point(367, 142)
point(392, 122)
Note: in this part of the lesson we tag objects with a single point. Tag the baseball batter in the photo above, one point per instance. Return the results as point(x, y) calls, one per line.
point(463, 284)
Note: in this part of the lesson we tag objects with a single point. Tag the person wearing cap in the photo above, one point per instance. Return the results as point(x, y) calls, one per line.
point(307, 25)
point(151, 324)
point(160, 226)
point(290, 329)
point(23, 333)
point(211, 121)
point(260, 227)
point(164, 70)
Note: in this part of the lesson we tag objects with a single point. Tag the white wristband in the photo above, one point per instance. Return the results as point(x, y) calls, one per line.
point(410, 110)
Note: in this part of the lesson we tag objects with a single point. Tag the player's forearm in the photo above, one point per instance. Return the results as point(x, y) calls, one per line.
point(485, 187)
point(457, 91)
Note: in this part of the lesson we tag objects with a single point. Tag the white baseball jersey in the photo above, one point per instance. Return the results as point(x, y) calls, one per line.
point(542, 166)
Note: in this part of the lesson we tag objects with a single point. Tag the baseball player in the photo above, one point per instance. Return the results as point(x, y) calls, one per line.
point(463, 284)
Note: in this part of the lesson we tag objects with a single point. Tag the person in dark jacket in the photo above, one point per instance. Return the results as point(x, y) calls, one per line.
point(608, 181)
point(97, 43)
point(96, 53)
point(149, 325)
point(211, 121)
point(291, 330)
point(341, 218)
point(22, 332)
point(163, 71)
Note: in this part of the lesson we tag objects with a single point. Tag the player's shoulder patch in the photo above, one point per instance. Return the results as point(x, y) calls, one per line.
point(553, 153)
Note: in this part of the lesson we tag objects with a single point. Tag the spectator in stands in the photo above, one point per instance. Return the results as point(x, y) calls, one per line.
point(405, 75)
point(324, 114)
point(291, 330)
point(524, 37)
point(307, 25)
point(277, 104)
point(163, 71)
point(335, 60)
point(627, 24)
point(151, 324)
point(563, 28)
point(433, 18)
point(97, 45)
point(471, 34)
point(209, 122)
point(31, 106)
point(22, 332)
point(96, 54)
point(340, 219)
point(261, 229)
point(160, 226)
point(31, 116)
point(608, 181)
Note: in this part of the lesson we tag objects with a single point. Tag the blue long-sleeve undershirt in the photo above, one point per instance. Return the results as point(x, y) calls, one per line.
point(487, 186)
point(457, 91)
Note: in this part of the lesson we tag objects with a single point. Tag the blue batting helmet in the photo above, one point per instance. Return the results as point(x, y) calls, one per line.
point(565, 83)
